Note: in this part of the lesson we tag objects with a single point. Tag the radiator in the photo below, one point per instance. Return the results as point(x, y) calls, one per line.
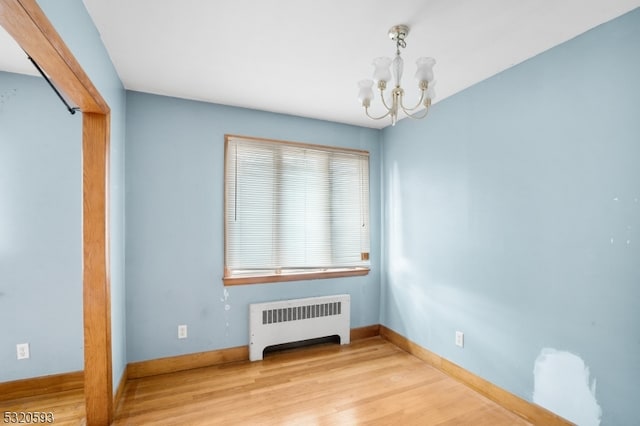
point(288, 321)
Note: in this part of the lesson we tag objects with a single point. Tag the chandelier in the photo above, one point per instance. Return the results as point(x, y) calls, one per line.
point(382, 75)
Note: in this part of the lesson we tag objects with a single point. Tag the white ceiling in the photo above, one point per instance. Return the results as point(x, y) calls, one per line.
point(305, 57)
point(12, 58)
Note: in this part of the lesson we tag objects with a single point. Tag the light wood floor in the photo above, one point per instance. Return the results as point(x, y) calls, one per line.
point(67, 407)
point(368, 382)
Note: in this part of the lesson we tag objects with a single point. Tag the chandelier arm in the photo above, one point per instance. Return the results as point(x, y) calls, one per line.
point(415, 115)
point(422, 92)
point(384, 102)
point(366, 110)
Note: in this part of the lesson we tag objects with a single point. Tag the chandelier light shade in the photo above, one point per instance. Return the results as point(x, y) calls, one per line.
point(385, 68)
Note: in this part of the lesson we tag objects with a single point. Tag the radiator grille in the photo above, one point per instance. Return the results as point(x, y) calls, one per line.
point(295, 320)
point(298, 313)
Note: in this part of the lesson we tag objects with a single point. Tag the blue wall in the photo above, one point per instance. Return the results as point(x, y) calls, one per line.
point(71, 20)
point(41, 199)
point(40, 230)
point(513, 214)
point(174, 210)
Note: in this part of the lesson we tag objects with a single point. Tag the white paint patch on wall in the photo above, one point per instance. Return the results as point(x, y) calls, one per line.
point(561, 384)
point(227, 307)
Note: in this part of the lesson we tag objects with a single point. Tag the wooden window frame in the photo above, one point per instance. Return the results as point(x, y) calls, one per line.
point(266, 279)
point(286, 277)
point(32, 30)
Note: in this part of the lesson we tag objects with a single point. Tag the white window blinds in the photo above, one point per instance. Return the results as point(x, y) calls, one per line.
point(292, 208)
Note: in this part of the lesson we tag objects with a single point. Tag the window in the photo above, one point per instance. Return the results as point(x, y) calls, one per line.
point(294, 211)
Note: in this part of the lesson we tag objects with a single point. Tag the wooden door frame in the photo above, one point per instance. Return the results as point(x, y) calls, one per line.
point(29, 26)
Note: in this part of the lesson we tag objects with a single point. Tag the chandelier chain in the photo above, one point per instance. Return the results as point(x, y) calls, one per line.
point(400, 42)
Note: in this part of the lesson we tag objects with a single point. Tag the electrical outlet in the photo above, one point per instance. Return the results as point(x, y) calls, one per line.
point(22, 350)
point(460, 339)
point(182, 332)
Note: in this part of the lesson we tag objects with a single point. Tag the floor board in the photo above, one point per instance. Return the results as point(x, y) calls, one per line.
point(369, 382)
point(67, 408)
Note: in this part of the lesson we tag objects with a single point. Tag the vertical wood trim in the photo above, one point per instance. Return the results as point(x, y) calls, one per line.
point(98, 387)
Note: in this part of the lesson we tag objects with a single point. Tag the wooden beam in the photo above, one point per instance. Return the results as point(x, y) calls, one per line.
point(32, 30)
point(98, 386)
point(29, 26)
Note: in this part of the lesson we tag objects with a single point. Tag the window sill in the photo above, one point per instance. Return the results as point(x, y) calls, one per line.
point(265, 279)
